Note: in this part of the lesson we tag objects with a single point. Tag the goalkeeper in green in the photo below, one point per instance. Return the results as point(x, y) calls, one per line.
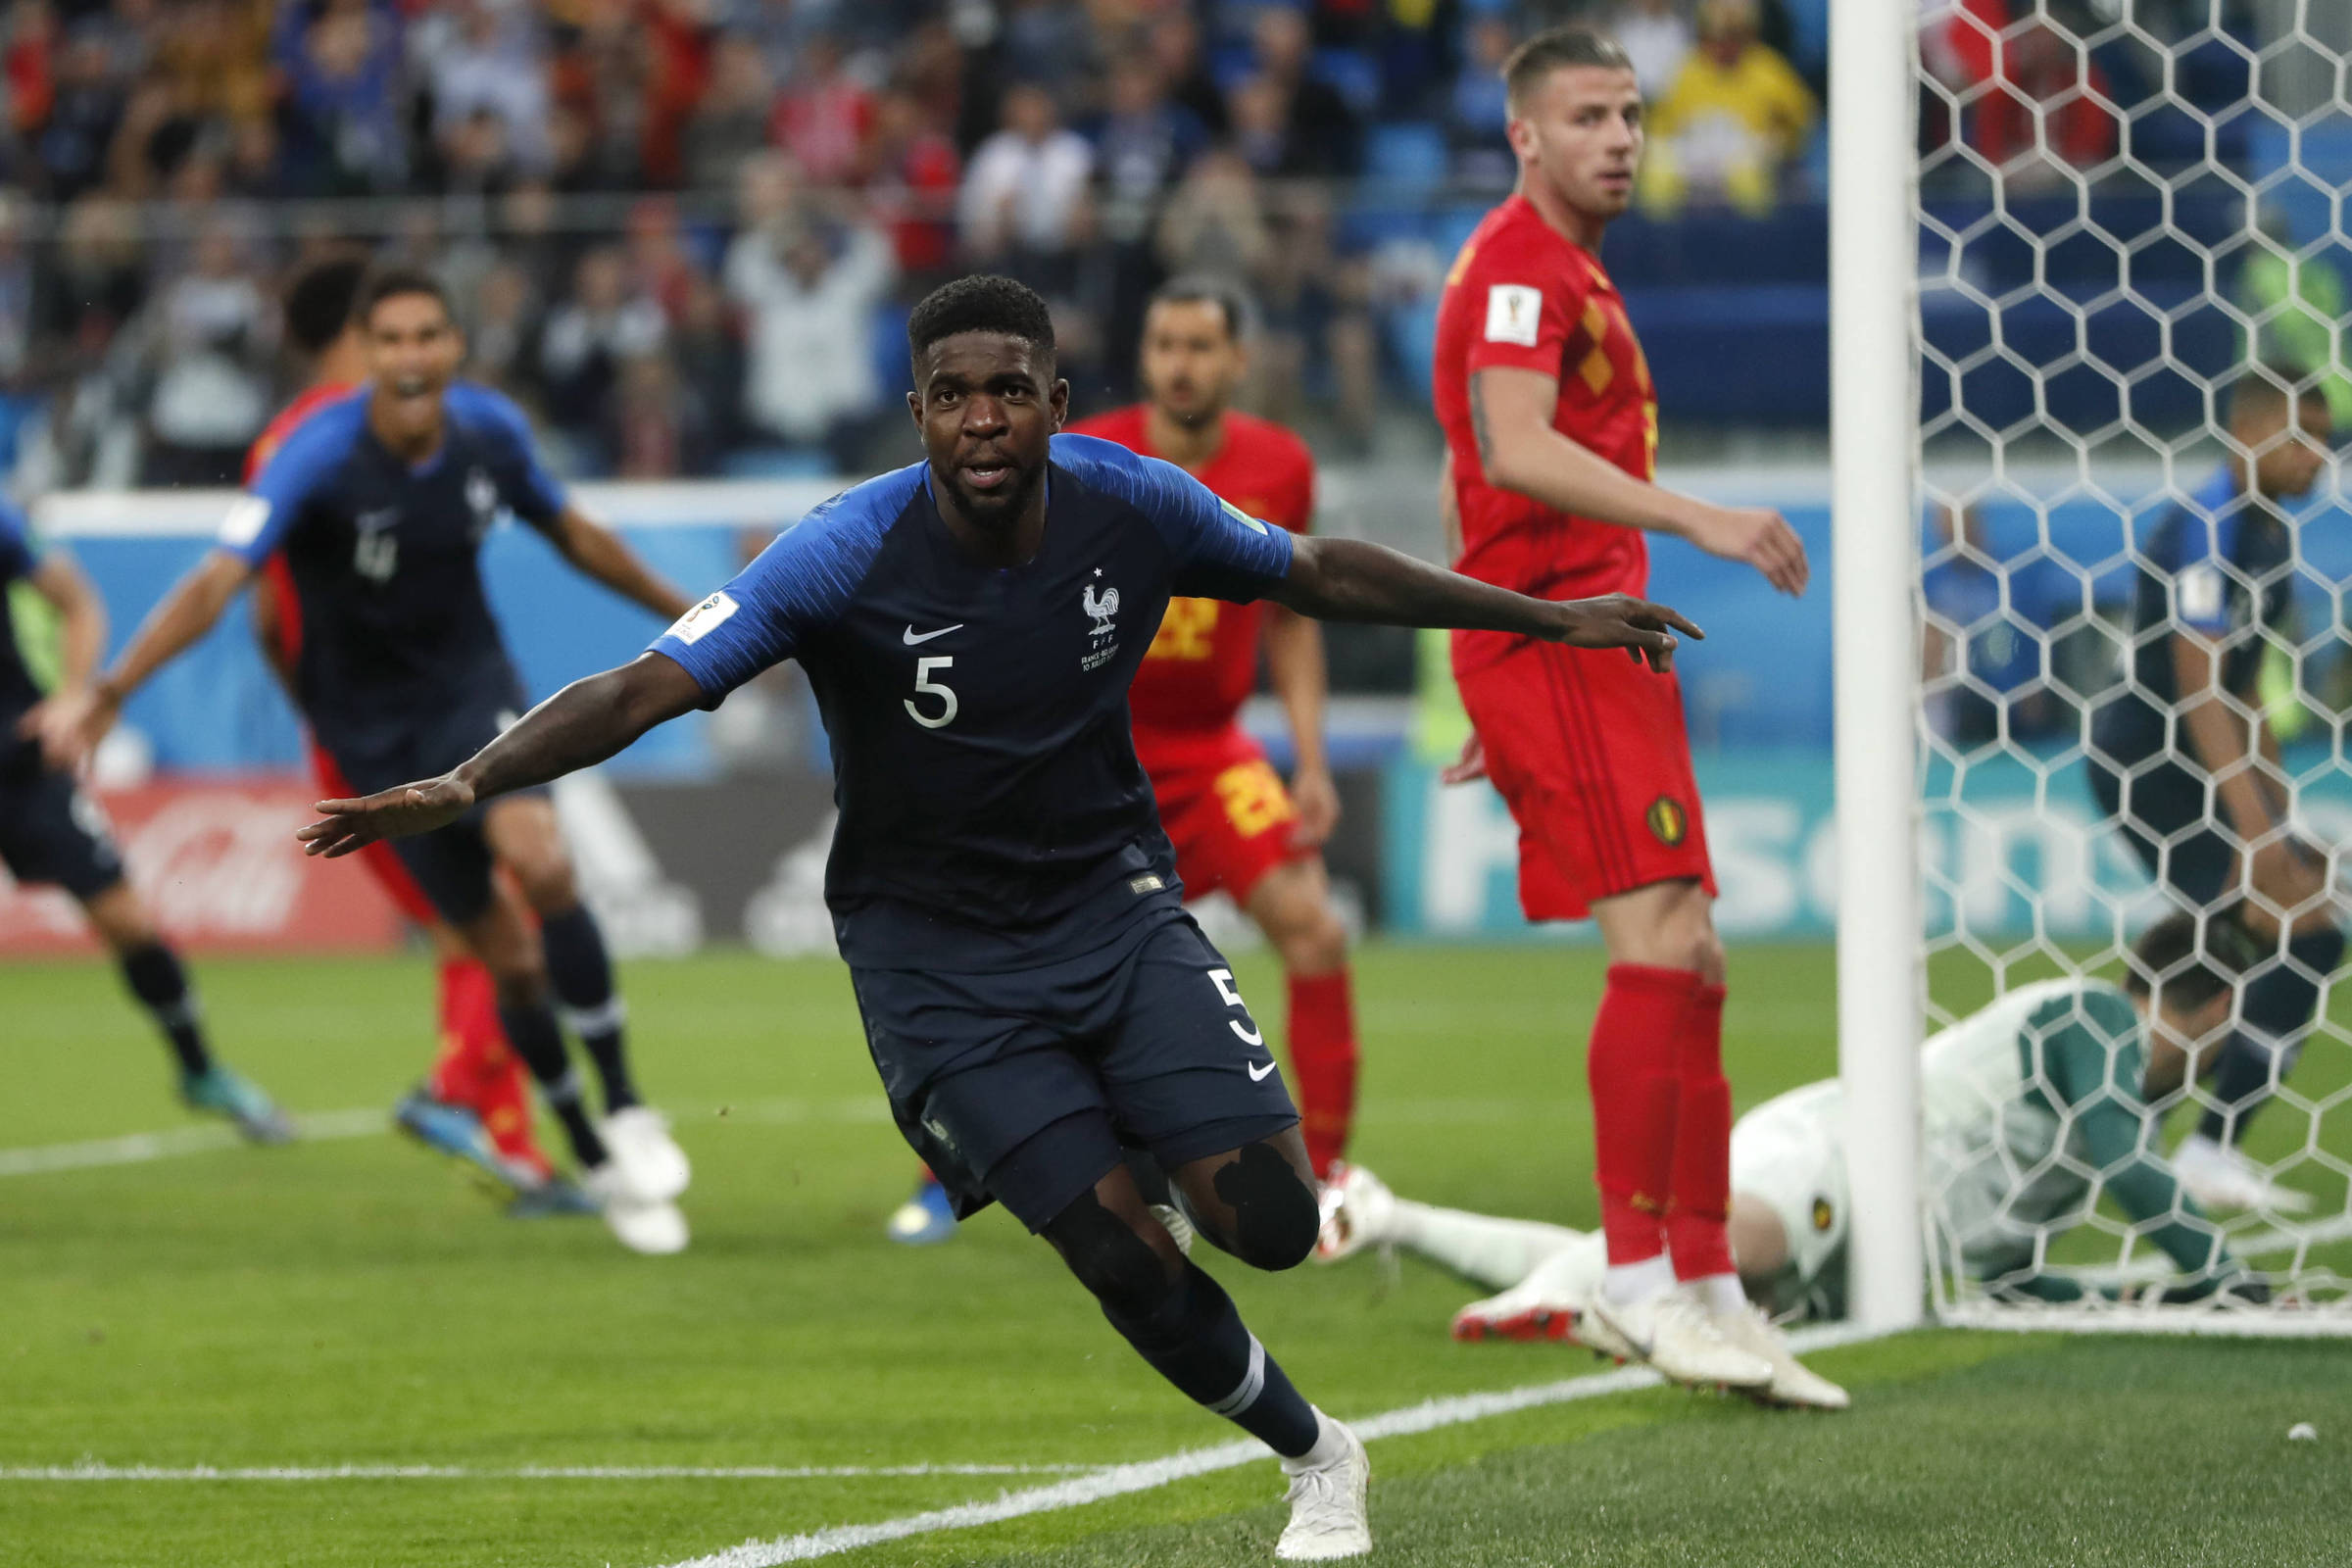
point(2033, 1108)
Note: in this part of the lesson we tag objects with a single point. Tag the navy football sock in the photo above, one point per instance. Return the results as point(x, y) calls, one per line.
point(531, 1030)
point(582, 972)
point(1196, 1339)
point(2280, 1005)
point(155, 976)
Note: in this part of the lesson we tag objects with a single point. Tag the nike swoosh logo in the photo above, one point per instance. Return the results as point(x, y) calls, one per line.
point(913, 638)
point(1257, 1074)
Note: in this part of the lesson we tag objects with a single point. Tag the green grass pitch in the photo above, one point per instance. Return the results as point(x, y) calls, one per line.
point(354, 1301)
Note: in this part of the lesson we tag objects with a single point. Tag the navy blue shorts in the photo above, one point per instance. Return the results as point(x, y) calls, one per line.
point(1022, 1087)
point(51, 831)
point(2169, 822)
point(452, 865)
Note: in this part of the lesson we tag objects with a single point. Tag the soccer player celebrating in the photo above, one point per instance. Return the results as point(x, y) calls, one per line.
point(1224, 806)
point(50, 831)
point(2183, 757)
point(1032, 988)
point(380, 502)
point(476, 1104)
point(1551, 435)
point(2034, 1106)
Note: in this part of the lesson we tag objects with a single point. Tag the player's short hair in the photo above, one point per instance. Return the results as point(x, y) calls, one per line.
point(392, 282)
point(1201, 288)
point(319, 303)
point(2185, 969)
point(2263, 391)
point(982, 303)
point(1557, 49)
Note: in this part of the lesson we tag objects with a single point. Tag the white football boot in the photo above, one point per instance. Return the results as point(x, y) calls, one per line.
point(1328, 1503)
point(2218, 1177)
point(1358, 1212)
point(652, 1164)
point(655, 1228)
point(1793, 1384)
point(1674, 1333)
point(1547, 1304)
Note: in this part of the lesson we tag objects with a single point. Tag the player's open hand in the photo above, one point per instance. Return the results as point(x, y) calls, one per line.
point(1470, 766)
point(1758, 535)
point(1646, 631)
point(1317, 801)
point(67, 727)
point(346, 826)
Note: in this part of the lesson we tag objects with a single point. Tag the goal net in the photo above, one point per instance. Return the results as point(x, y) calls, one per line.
point(2133, 275)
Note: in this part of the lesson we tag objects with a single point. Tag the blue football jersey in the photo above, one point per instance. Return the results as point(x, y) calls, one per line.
point(2222, 566)
point(19, 556)
point(391, 624)
point(992, 808)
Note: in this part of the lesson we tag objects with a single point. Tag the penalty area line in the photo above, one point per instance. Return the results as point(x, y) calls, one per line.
point(1119, 1480)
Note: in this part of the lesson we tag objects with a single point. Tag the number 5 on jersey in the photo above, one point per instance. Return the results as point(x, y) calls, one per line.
point(925, 686)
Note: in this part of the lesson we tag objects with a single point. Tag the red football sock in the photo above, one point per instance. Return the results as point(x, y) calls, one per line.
point(1631, 1068)
point(1323, 1061)
point(478, 1069)
point(1700, 1197)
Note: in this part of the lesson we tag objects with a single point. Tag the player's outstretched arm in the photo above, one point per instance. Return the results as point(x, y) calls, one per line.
point(74, 722)
point(1349, 579)
point(600, 552)
point(584, 723)
point(1511, 413)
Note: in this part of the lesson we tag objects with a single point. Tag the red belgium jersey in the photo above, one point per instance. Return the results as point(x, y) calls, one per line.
point(1202, 663)
point(1522, 295)
point(273, 435)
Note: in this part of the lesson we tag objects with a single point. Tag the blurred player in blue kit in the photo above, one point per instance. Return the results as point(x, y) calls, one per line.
point(1036, 998)
point(378, 504)
point(51, 831)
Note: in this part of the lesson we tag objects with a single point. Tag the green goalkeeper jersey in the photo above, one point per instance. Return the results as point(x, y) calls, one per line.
point(2031, 1108)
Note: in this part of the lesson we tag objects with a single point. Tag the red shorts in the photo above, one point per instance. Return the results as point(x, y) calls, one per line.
point(1224, 808)
point(1590, 751)
point(377, 857)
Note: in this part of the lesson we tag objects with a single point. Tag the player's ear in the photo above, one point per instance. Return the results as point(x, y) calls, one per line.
point(1058, 402)
point(915, 407)
point(1520, 132)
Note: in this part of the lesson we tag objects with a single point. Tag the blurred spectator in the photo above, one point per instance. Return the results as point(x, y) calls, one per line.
point(659, 429)
point(491, 63)
point(708, 353)
point(1475, 113)
point(912, 187)
point(96, 286)
point(29, 66)
point(2037, 121)
point(808, 296)
point(1051, 42)
point(213, 342)
point(1175, 41)
point(1144, 143)
point(1321, 134)
point(823, 115)
point(85, 111)
point(1655, 36)
point(660, 267)
point(344, 130)
point(16, 320)
point(1214, 223)
point(587, 341)
point(730, 124)
point(1736, 115)
point(1024, 204)
point(677, 72)
point(502, 329)
point(1316, 333)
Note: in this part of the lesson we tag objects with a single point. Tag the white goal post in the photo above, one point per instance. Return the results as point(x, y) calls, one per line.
point(2064, 234)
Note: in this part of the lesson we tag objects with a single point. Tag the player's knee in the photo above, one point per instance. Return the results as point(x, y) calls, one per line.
point(1275, 1214)
point(548, 884)
point(1119, 1265)
point(1316, 944)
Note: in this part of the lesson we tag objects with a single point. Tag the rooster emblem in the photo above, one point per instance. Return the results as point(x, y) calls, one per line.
point(1102, 608)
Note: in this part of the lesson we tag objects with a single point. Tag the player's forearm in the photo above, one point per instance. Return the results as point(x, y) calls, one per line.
point(1353, 580)
point(2217, 736)
point(587, 721)
point(1295, 668)
point(186, 613)
point(1546, 467)
point(605, 557)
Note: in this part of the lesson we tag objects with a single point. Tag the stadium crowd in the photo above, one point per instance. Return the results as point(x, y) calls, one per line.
point(685, 231)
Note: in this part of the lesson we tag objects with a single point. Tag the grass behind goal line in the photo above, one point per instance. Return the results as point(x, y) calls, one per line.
point(355, 1302)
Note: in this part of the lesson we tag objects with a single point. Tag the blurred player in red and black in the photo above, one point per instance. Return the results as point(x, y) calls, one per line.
point(1234, 824)
point(476, 1103)
point(1552, 436)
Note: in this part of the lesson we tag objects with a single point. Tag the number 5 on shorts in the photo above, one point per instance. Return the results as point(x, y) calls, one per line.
point(1243, 1026)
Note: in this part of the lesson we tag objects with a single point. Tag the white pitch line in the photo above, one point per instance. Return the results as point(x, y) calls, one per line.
point(528, 1472)
point(1118, 1481)
point(137, 1149)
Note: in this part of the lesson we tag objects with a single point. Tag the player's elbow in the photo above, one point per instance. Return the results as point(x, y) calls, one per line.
point(1510, 461)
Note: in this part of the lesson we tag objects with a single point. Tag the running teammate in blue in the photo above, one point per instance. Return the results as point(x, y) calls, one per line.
point(52, 832)
point(2185, 762)
point(379, 503)
point(1034, 993)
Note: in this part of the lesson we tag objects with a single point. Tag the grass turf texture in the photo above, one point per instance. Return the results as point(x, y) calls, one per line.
point(357, 1302)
